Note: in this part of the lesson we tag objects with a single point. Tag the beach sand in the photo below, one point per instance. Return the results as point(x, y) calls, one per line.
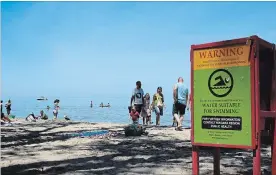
point(44, 148)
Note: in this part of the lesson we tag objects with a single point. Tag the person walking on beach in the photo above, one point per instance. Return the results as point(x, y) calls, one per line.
point(8, 107)
point(146, 112)
point(137, 98)
point(180, 94)
point(158, 104)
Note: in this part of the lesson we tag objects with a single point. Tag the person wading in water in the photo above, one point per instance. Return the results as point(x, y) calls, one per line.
point(56, 108)
point(8, 107)
point(180, 94)
point(158, 104)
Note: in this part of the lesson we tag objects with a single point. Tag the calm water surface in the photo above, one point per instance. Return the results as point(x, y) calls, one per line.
point(78, 109)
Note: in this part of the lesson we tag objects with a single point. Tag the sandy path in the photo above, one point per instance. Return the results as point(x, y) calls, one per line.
point(42, 148)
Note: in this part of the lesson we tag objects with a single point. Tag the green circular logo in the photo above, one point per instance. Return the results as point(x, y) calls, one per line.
point(220, 83)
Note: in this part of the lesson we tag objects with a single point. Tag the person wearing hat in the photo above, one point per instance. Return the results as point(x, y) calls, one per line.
point(158, 104)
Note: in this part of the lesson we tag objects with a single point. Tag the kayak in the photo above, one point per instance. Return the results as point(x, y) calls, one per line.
point(105, 106)
point(42, 98)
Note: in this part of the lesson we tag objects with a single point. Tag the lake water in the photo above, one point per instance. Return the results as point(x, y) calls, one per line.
point(78, 109)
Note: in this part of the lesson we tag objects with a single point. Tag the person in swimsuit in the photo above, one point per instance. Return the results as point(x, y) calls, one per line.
point(56, 108)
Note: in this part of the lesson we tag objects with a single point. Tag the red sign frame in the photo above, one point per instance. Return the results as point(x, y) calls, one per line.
point(254, 79)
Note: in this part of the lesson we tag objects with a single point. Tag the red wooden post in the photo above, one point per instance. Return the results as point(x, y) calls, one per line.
point(217, 161)
point(257, 158)
point(195, 160)
point(257, 151)
point(273, 107)
point(273, 154)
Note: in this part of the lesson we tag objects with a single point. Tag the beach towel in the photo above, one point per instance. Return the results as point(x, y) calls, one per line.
point(134, 130)
point(11, 116)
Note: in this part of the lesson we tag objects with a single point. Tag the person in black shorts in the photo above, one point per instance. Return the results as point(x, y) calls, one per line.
point(137, 98)
point(179, 108)
point(180, 96)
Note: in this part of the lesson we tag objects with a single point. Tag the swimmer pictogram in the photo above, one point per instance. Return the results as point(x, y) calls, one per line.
point(220, 83)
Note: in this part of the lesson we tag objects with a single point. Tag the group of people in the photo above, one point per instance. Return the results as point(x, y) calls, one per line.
point(102, 105)
point(32, 118)
point(42, 115)
point(141, 107)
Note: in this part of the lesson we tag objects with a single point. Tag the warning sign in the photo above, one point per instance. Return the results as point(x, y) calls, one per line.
point(221, 57)
point(222, 99)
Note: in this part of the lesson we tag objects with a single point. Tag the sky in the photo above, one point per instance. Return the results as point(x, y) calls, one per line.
point(85, 48)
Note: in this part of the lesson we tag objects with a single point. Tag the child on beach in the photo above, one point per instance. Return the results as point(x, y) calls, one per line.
point(134, 129)
point(146, 111)
point(134, 115)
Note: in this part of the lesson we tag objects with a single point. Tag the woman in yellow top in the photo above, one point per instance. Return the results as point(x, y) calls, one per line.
point(158, 104)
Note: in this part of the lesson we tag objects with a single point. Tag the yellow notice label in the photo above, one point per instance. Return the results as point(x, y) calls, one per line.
point(221, 57)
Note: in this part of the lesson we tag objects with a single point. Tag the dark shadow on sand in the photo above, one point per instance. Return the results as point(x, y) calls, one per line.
point(129, 155)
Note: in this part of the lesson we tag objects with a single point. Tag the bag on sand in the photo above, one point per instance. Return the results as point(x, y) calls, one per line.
point(134, 130)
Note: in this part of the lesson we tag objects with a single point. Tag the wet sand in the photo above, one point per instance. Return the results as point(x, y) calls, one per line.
point(44, 148)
